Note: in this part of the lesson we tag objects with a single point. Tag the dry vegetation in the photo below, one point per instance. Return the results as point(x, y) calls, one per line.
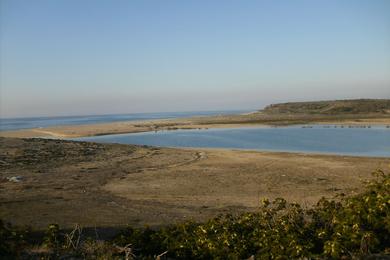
point(110, 185)
point(337, 107)
point(355, 227)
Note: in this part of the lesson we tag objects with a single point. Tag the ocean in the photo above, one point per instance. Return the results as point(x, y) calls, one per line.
point(7, 124)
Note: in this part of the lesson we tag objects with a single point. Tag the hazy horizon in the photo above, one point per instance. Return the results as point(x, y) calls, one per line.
point(135, 113)
point(69, 58)
point(245, 110)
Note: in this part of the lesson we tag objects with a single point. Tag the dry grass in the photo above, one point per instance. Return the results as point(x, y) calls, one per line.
point(107, 185)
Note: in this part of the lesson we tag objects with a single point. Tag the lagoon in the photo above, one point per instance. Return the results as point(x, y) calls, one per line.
point(323, 139)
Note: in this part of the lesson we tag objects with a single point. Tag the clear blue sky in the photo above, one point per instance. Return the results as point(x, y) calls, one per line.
point(69, 57)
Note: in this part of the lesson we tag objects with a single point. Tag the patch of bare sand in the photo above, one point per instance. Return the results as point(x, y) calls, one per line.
point(240, 178)
point(111, 185)
point(247, 120)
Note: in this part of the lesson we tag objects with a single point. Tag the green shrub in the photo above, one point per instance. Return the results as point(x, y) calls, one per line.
point(344, 228)
point(12, 239)
point(350, 227)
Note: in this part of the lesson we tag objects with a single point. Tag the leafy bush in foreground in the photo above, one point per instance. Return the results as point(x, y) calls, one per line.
point(348, 228)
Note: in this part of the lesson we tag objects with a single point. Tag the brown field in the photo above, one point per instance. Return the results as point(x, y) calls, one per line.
point(112, 185)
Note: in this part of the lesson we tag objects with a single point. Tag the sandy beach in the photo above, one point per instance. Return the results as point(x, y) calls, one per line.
point(245, 120)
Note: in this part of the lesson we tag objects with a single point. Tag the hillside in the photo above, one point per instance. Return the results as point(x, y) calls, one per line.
point(334, 107)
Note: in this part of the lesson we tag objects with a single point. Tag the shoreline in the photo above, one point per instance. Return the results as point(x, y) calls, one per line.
point(69, 182)
point(280, 152)
point(234, 121)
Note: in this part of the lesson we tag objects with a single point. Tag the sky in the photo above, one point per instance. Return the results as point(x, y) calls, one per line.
point(71, 57)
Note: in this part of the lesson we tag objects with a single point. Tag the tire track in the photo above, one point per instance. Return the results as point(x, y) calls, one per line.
point(196, 157)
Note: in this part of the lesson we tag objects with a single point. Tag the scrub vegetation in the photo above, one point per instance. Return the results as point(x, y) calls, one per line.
point(340, 228)
point(334, 107)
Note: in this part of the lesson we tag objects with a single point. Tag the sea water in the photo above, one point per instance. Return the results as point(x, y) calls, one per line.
point(7, 124)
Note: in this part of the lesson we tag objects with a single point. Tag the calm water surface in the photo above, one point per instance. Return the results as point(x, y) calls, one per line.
point(374, 141)
point(35, 122)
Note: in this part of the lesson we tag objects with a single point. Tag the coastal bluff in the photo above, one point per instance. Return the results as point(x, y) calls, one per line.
point(333, 107)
